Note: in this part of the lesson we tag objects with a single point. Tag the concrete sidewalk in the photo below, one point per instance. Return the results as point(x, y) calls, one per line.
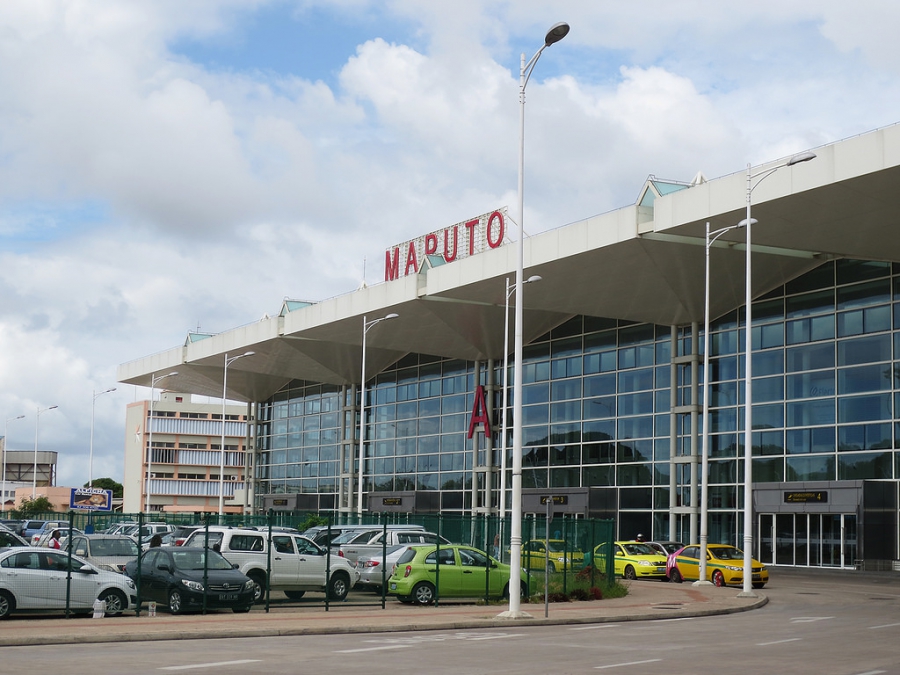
point(647, 600)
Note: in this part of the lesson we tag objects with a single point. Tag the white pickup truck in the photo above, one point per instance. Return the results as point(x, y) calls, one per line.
point(354, 545)
point(298, 564)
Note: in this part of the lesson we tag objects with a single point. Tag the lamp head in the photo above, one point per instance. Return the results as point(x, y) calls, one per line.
point(533, 278)
point(802, 157)
point(391, 316)
point(556, 33)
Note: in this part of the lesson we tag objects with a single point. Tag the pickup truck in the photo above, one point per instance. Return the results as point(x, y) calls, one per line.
point(354, 545)
point(298, 564)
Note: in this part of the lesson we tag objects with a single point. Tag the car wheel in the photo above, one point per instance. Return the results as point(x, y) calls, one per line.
point(759, 584)
point(241, 610)
point(423, 593)
point(259, 585)
point(338, 587)
point(294, 595)
point(551, 567)
point(7, 604)
point(630, 573)
point(175, 602)
point(116, 602)
point(523, 591)
point(675, 576)
point(718, 578)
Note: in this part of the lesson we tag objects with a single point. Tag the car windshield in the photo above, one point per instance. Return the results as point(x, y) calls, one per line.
point(728, 553)
point(350, 535)
point(101, 547)
point(194, 560)
point(557, 546)
point(638, 549)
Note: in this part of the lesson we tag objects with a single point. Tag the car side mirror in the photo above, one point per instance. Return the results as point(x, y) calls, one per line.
point(493, 565)
point(80, 551)
point(164, 567)
point(87, 569)
point(235, 566)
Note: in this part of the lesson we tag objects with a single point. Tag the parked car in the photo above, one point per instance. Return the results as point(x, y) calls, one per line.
point(665, 547)
point(633, 560)
point(324, 535)
point(8, 539)
point(465, 572)
point(32, 527)
point(107, 551)
point(375, 570)
point(352, 545)
point(176, 576)
point(13, 524)
point(535, 554)
point(182, 532)
point(44, 538)
point(298, 564)
point(33, 578)
point(724, 566)
point(117, 528)
point(147, 530)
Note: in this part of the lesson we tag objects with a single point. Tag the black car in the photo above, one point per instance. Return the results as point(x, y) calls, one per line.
point(175, 577)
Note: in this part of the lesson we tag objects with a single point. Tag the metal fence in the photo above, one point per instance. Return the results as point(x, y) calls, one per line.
point(557, 554)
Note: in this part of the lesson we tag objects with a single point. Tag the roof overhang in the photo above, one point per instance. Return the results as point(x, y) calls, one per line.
point(633, 264)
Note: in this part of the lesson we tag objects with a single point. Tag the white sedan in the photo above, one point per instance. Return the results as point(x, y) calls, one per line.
point(33, 578)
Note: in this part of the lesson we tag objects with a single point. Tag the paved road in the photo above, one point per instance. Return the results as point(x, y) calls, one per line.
point(818, 623)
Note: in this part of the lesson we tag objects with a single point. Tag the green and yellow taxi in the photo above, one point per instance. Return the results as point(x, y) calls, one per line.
point(724, 566)
point(535, 554)
point(633, 560)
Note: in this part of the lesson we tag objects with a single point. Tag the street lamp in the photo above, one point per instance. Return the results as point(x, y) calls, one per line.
point(153, 380)
point(758, 177)
point(362, 409)
point(704, 466)
point(509, 291)
point(37, 420)
point(228, 362)
point(5, 445)
point(91, 460)
point(556, 33)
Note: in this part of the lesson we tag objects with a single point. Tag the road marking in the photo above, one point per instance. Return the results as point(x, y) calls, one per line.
point(777, 642)
point(370, 649)
point(212, 665)
point(872, 672)
point(809, 619)
point(502, 636)
point(630, 663)
point(884, 625)
point(594, 627)
point(681, 618)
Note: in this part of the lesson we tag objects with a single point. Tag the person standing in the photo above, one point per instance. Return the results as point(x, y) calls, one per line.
point(54, 540)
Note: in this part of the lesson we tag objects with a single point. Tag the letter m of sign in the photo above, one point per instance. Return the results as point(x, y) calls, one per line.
point(392, 264)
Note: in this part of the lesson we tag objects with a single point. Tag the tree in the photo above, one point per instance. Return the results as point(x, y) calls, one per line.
point(30, 507)
point(108, 484)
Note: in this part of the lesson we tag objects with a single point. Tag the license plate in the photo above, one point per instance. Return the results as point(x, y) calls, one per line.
point(228, 596)
point(393, 587)
point(757, 576)
point(660, 569)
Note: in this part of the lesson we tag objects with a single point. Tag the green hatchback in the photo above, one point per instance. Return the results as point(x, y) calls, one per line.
point(424, 573)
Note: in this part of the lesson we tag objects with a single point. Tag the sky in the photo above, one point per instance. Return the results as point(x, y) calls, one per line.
point(171, 166)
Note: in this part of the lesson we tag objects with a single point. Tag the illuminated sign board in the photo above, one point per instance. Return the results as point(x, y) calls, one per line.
point(391, 501)
point(450, 243)
point(555, 499)
point(806, 497)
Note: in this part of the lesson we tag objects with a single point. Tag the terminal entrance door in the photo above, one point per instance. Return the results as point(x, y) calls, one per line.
point(807, 539)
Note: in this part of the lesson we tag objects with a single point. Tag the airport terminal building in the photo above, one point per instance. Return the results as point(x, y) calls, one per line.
point(613, 376)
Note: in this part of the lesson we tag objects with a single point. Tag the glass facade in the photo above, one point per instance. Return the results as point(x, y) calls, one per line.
point(604, 406)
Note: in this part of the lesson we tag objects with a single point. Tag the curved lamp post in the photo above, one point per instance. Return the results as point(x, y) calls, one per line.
point(91, 459)
point(704, 470)
point(556, 33)
point(37, 420)
point(228, 362)
point(362, 410)
point(5, 446)
point(753, 180)
point(153, 380)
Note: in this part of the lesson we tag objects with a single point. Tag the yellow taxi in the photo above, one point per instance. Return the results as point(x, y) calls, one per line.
point(724, 566)
point(536, 552)
point(633, 560)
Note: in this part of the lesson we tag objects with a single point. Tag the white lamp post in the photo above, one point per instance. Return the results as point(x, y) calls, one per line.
point(753, 179)
point(228, 362)
point(704, 465)
point(153, 380)
point(91, 459)
point(509, 291)
point(5, 445)
point(362, 409)
point(556, 33)
point(37, 420)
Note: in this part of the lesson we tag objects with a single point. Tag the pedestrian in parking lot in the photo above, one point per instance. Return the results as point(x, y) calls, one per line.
point(155, 541)
point(497, 546)
point(54, 540)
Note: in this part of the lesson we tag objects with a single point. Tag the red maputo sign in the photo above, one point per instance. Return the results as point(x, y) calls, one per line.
point(451, 243)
